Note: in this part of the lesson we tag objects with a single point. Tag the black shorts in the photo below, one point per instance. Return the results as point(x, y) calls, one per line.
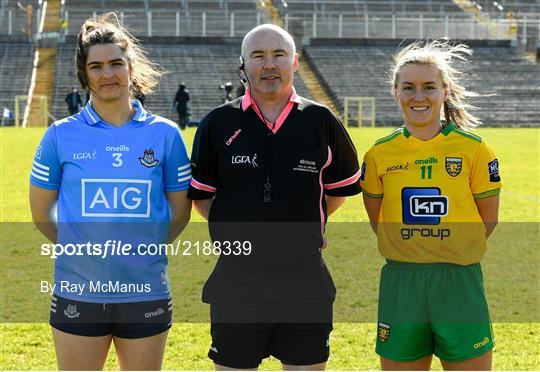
point(244, 346)
point(125, 320)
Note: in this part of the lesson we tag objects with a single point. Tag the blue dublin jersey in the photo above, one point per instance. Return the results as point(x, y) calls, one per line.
point(112, 210)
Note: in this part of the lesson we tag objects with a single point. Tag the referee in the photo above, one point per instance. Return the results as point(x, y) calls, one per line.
point(268, 169)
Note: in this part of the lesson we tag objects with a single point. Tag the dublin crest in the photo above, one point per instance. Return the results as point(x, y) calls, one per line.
point(453, 166)
point(148, 159)
point(71, 311)
point(383, 332)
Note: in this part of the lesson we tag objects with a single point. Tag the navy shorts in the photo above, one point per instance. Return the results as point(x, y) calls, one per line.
point(244, 346)
point(124, 320)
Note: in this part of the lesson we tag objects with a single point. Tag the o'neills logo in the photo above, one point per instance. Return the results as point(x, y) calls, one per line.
point(235, 134)
point(117, 148)
point(430, 160)
point(482, 343)
point(158, 312)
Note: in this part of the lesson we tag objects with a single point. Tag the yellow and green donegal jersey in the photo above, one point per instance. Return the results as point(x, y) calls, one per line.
point(428, 190)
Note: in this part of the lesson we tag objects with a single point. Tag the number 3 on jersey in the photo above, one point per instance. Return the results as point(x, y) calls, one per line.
point(117, 159)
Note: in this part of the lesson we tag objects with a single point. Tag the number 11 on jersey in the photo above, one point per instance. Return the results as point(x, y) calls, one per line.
point(423, 168)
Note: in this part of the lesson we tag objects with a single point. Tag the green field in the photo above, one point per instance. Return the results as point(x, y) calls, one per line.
point(510, 266)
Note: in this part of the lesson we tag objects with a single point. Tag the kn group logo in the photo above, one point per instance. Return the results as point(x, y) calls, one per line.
point(423, 205)
point(115, 197)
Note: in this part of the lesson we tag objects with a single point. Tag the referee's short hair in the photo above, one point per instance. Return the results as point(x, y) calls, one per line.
point(268, 26)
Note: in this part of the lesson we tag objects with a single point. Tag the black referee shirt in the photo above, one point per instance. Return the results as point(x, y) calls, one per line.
point(269, 189)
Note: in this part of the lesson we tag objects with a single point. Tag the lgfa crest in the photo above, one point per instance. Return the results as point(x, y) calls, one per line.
point(71, 311)
point(383, 332)
point(453, 166)
point(148, 159)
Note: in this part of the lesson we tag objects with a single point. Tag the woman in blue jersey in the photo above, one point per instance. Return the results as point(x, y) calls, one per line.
point(431, 190)
point(118, 177)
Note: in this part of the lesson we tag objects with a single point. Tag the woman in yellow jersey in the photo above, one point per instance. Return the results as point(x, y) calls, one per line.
point(431, 192)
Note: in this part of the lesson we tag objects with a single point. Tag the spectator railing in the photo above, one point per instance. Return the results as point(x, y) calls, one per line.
point(330, 24)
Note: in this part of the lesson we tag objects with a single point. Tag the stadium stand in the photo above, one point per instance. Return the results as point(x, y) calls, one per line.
point(165, 14)
point(202, 63)
point(16, 60)
point(497, 69)
point(380, 19)
point(366, 6)
point(521, 17)
point(518, 7)
point(204, 54)
point(13, 18)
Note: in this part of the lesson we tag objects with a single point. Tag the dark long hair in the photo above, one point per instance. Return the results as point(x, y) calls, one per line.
point(107, 30)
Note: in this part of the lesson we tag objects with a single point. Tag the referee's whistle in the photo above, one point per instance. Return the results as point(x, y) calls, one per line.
point(267, 193)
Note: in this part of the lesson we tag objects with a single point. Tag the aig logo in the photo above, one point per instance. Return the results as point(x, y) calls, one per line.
point(115, 197)
point(423, 205)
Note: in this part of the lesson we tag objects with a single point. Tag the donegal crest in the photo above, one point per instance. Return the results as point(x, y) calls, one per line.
point(383, 332)
point(148, 159)
point(453, 166)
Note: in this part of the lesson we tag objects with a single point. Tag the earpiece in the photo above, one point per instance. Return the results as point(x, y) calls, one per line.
point(241, 68)
point(244, 79)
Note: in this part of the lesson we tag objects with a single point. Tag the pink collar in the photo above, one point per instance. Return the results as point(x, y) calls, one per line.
point(247, 101)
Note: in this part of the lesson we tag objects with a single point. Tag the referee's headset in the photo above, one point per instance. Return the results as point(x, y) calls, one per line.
point(267, 192)
point(242, 68)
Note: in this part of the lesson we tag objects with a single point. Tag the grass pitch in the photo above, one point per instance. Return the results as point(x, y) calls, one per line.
point(511, 268)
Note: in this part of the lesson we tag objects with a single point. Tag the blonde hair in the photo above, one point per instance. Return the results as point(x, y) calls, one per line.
point(442, 55)
point(107, 29)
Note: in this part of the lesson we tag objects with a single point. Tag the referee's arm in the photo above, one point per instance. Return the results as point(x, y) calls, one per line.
point(333, 203)
point(202, 206)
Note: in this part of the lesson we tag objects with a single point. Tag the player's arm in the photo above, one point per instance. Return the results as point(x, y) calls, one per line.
point(488, 208)
point(372, 188)
point(373, 207)
point(202, 206)
point(486, 185)
point(333, 203)
point(203, 184)
point(42, 202)
point(181, 212)
point(45, 180)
